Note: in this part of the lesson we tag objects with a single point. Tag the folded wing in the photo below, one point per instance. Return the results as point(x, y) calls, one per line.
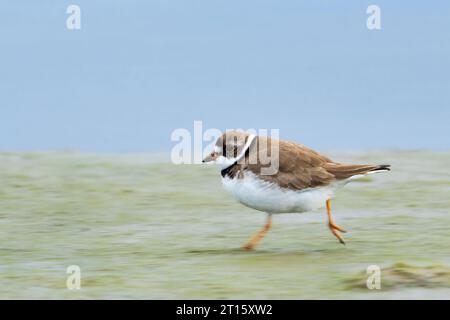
point(301, 167)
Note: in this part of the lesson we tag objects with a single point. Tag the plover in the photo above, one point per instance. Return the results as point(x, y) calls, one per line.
point(276, 176)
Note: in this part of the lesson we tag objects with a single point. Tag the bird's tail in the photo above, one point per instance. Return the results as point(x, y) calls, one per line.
point(382, 167)
point(345, 171)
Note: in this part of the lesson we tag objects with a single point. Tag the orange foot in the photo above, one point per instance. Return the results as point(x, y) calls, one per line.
point(335, 229)
point(260, 235)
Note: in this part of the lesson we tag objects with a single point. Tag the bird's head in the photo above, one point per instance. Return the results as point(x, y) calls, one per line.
point(230, 148)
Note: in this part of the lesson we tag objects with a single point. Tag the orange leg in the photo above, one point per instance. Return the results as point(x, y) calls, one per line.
point(260, 235)
point(334, 227)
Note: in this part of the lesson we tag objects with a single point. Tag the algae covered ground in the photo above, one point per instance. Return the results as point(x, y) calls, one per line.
point(141, 227)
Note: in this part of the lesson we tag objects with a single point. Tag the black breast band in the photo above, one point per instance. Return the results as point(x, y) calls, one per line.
point(226, 171)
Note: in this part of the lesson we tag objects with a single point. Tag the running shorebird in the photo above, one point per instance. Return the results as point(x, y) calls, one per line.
point(304, 180)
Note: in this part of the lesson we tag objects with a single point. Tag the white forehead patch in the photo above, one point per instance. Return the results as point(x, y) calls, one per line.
point(218, 149)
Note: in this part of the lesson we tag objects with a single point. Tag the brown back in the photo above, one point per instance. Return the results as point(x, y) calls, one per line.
point(299, 166)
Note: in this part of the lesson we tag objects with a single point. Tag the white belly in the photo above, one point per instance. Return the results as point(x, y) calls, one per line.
point(268, 197)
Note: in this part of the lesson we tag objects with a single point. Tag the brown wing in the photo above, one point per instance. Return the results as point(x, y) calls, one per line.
point(301, 167)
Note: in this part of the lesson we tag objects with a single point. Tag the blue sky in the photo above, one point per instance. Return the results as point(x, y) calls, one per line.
point(137, 70)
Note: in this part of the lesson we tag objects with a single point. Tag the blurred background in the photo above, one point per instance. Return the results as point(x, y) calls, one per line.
point(136, 70)
point(86, 118)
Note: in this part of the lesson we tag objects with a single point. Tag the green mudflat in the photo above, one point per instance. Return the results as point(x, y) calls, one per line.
point(140, 227)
